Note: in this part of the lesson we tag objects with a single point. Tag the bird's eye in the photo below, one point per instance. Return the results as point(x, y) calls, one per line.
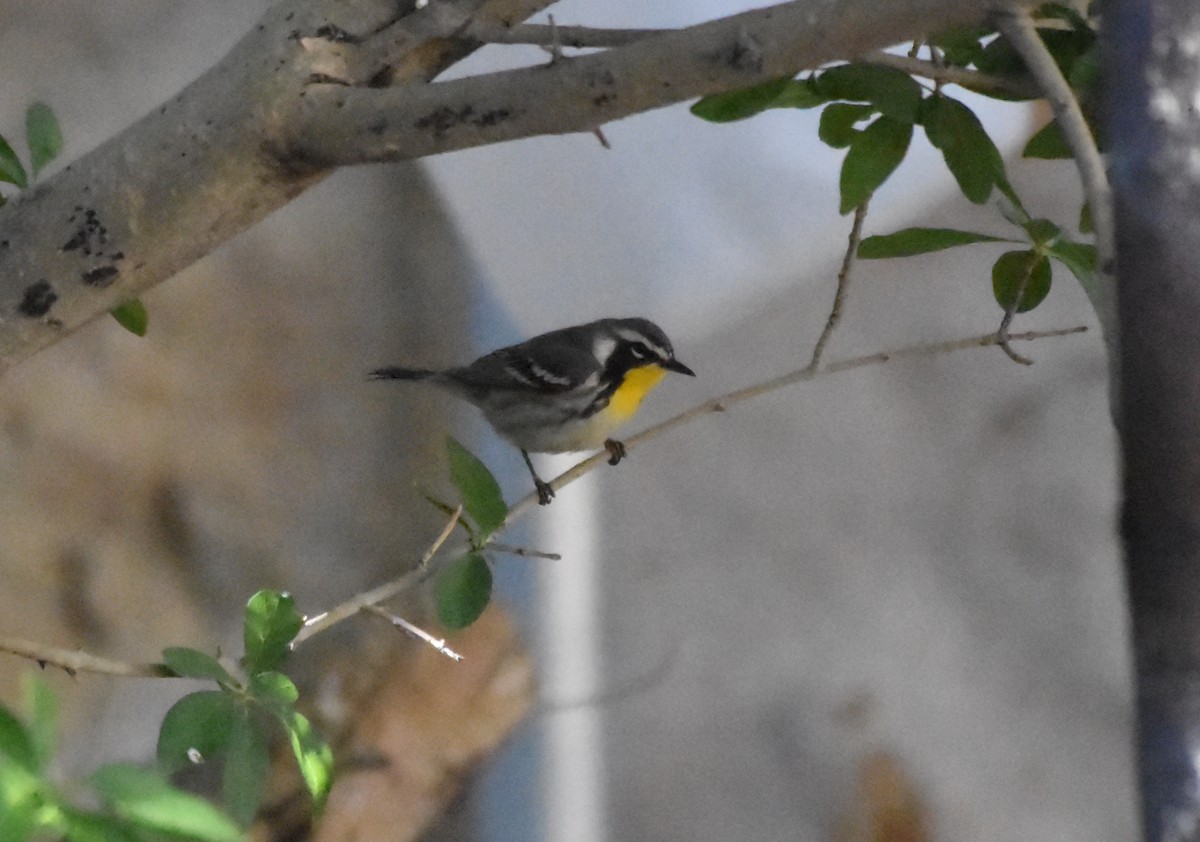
point(638, 351)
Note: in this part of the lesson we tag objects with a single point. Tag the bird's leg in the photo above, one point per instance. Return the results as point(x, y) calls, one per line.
point(544, 491)
point(616, 451)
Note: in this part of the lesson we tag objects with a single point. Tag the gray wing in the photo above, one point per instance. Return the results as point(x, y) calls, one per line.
point(551, 363)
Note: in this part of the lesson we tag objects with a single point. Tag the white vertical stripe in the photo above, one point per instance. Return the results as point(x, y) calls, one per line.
point(573, 797)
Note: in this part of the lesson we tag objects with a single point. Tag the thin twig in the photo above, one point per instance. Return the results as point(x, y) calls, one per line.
point(73, 661)
point(1016, 25)
point(948, 74)
point(524, 552)
point(578, 37)
point(415, 632)
point(843, 284)
point(1010, 312)
point(720, 404)
point(347, 609)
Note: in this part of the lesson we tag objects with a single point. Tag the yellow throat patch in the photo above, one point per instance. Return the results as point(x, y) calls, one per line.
point(637, 384)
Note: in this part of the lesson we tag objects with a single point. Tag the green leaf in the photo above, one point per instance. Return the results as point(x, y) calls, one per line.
point(312, 754)
point(43, 135)
point(10, 166)
point(133, 316)
point(16, 742)
point(1010, 272)
point(874, 154)
point(1042, 231)
point(274, 691)
point(961, 46)
point(198, 724)
point(910, 241)
point(1080, 258)
point(892, 92)
point(1085, 72)
point(144, 798)
point(82, 826)
point(970, 154)
point(480, 492)
point(462, 591)
point(271, 623)
point(836, 128)
point(1085, 219)
point(247, 763)
point(1047, 144)
point(19, 816)
point(740, 104)
point(43, 719)
point(192, 663)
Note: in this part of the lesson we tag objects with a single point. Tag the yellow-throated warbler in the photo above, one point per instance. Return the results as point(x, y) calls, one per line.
point(565, 390)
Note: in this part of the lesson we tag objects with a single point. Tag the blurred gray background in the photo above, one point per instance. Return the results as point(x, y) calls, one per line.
point(888, 598)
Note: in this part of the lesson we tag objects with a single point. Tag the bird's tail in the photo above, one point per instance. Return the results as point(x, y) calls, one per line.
point(396, 373)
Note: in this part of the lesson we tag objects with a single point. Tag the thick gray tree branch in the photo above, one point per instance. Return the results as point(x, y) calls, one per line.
point(301, 95)
point(340, 125)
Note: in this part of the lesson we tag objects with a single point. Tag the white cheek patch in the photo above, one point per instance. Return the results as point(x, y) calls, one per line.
point(602, 349)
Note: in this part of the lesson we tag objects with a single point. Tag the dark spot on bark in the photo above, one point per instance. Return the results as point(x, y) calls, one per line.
point(444, 119)
point(77, 240)
point(100, 277)
point(118, 255)
point(491, 118)
point(603, 99)
point(382, 77)
point(55, 323)
point(377, 128)
point(37, 299)
point(332, 32)
point(3, 244)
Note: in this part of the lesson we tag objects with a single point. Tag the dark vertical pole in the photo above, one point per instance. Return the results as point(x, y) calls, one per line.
point(1153, 124)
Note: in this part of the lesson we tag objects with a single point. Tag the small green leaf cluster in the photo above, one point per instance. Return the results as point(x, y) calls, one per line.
point(464, 586)
point(43, 137)
point(871, 111)
point(233, 722)
point(1023, 272)
point(135, 804)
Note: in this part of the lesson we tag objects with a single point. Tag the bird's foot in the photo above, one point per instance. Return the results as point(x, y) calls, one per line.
point(544, 491)
point(616, 451)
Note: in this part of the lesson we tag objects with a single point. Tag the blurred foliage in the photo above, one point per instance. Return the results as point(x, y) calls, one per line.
point(871, 110)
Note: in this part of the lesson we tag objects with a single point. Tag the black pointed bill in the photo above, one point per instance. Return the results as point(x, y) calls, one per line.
point(678, 367)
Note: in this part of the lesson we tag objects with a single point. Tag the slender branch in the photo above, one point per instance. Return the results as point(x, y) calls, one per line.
point(415, 631)
point(1010, 312)
point(843, 284)
point(948, 74)
point(73, 661)
point(720, 404)
point(578, 37)
point(347, 609)
point(1016, 25)
point(524, 552)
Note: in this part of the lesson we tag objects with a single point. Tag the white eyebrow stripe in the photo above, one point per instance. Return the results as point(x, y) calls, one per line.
point(633, 336)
